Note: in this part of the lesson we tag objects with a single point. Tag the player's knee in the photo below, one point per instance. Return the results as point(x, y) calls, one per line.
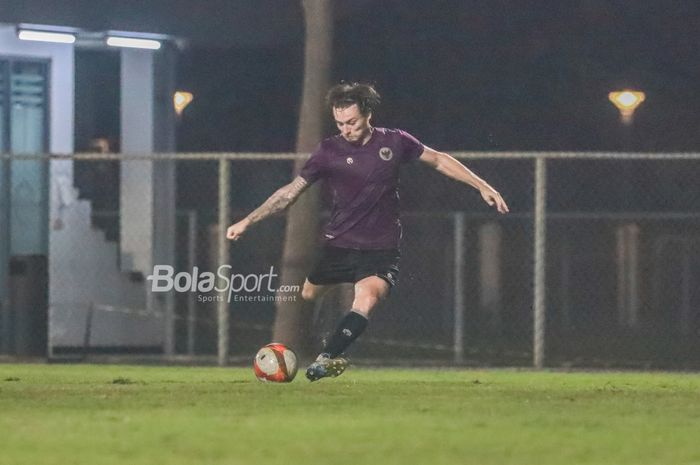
point(382, 293)
point(308, 293)
point(377, 294)
point(374, 298)
point(365, 302)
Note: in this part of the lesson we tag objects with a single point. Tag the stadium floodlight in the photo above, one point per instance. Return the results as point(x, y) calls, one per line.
point(626, 101)
point(181, 99)
point(46, 36)
point(133, 42)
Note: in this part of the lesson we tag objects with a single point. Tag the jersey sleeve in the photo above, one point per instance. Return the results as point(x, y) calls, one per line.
point(411, 148)
point(314, 167)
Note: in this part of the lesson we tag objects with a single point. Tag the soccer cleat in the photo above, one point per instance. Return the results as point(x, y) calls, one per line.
point(325, 367)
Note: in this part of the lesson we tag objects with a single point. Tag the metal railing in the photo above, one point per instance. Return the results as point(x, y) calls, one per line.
point(536, 218)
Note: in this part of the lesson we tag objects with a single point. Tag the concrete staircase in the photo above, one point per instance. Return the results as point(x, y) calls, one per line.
point(84, 274)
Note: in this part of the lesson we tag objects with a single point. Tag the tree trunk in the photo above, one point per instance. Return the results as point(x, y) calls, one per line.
point(292, 318)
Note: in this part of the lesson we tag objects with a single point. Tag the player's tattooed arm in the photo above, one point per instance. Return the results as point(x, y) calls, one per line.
point(280, 200)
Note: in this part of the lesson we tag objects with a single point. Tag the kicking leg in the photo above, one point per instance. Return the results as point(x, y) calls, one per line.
point(369, 292)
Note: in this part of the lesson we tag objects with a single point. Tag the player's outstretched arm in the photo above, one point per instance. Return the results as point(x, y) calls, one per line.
point(280, 200)
point(452, 168)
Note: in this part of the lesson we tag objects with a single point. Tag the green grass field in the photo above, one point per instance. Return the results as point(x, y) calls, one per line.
point(87, 414)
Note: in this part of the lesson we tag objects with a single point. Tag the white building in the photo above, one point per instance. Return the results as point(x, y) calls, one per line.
point(60, 279)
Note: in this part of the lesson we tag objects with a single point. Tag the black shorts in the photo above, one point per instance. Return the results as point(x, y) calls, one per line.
point(340, 265)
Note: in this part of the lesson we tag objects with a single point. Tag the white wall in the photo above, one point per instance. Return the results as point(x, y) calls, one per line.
point(136, 202)
point(62, 87)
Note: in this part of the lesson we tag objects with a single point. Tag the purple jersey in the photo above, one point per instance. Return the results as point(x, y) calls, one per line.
point(364, 182)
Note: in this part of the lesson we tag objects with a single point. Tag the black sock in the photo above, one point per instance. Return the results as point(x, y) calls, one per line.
point(349, 329)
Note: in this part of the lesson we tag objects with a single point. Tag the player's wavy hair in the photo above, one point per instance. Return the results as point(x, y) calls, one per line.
point(346, 94)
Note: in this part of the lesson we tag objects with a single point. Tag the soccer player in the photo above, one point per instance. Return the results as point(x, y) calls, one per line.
point(361, 239)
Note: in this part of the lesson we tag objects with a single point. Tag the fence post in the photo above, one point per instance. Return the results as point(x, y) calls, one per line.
point(222, 307)
point(5, 320)
point(687, 288)
point(490, 272)
point(460, 305)
point(191, 263)
point(88, 330)
point(627, 237)
point(540, 261)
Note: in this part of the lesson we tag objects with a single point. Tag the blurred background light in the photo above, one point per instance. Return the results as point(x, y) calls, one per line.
point(627, 102)
point(46, 36)
point(181, 99)
point(131, 42)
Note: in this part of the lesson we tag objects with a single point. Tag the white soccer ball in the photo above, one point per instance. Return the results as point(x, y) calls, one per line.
point(276, 363)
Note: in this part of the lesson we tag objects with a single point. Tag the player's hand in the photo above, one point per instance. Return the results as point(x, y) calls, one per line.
point(492, 197)
point(235, 231)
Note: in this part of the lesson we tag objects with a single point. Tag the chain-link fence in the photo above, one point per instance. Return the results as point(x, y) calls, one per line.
point(596, 265)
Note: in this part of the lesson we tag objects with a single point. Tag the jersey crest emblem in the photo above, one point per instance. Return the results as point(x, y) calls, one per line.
point(385, 153)
point(350, 161)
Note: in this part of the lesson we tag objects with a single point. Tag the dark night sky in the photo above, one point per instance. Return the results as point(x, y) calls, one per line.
point(461, 75)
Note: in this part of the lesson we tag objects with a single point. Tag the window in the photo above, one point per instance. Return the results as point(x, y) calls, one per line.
point(24, 130)
point(28, 102)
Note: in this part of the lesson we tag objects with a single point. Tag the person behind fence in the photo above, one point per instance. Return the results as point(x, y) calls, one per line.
point(362, 238)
